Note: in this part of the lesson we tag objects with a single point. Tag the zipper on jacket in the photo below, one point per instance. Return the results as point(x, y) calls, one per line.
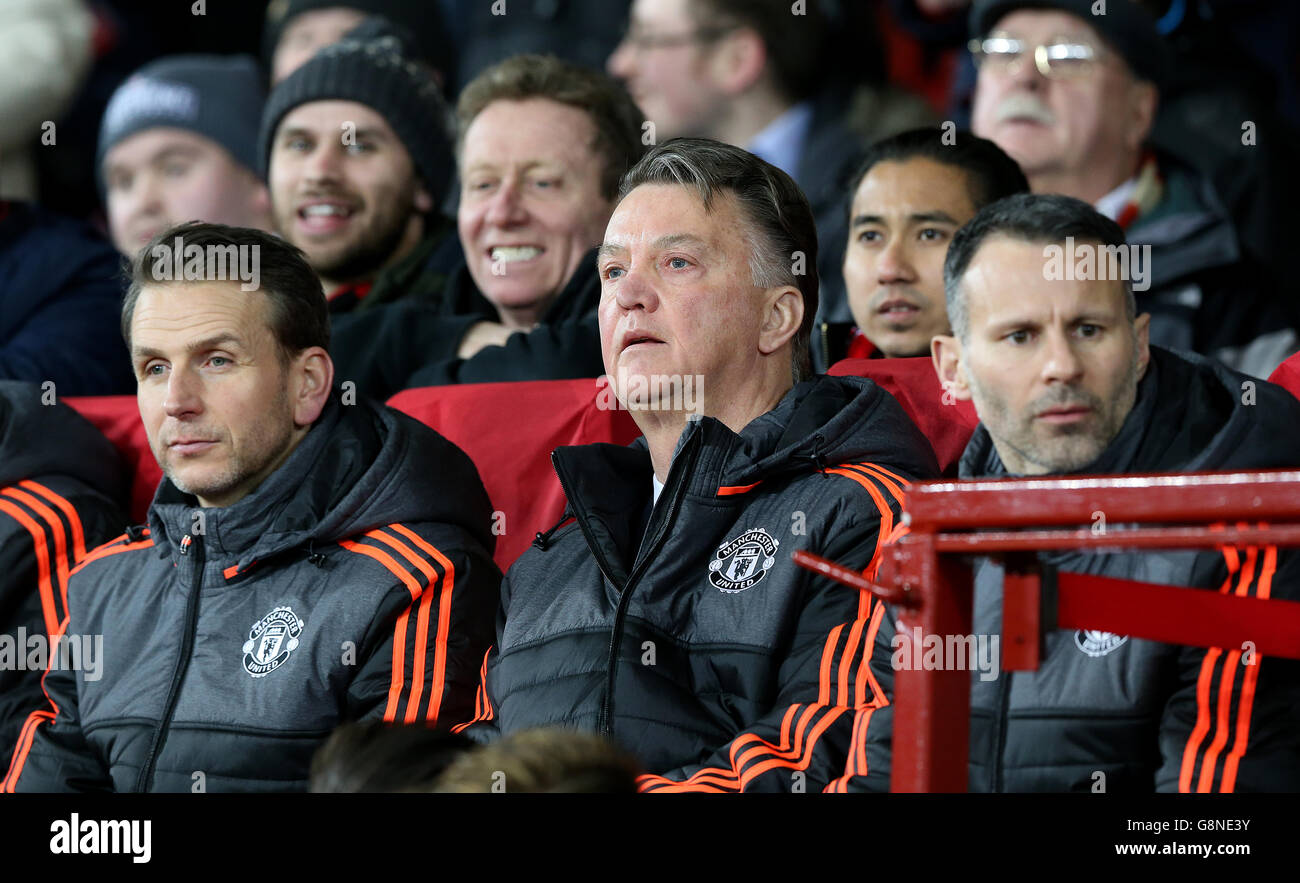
point(187, 545)
point(657, 530)
point(1004, 700)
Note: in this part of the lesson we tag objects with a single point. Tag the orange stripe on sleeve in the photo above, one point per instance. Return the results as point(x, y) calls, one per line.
point(69, 511)
point(110, 548)
point(443, 638)
point(421, 621)
point(399, 629)
point(44, 586)
point(1245, 705)
point(60, 534)
point(28, 733)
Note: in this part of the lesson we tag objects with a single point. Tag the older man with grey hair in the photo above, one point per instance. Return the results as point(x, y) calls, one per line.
point(1070, 89)
point(670, 617)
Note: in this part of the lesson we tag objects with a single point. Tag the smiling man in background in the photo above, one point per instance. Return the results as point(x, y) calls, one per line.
point(358, 160)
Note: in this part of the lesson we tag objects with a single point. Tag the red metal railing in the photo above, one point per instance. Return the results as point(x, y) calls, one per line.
point(927, 577)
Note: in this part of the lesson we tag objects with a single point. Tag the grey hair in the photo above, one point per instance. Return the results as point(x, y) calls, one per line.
point(778, 221)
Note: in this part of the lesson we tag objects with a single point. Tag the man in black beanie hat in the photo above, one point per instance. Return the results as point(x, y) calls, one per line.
point(1069, 88)
point(178, 142)
point(358, 160)
point(296, 29)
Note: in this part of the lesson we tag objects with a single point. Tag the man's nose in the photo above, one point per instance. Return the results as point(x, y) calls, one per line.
point(325, 163)
point(1061, 362)
point(636, 291)
point(894, 263)
point(506, 208)
point(182, 394)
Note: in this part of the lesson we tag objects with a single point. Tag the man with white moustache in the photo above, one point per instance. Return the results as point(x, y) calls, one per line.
point(1072, 95)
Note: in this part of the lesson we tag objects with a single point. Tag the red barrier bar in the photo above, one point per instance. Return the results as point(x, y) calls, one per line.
point(1039, 502)
point(991, 542)
point(952, 521)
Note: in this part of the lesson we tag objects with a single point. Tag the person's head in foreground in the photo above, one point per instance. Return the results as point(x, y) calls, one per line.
point(549, 760)
point(178, 142)
point(232, 367)
point(910, 195)
point(357, 157)
point(1069, 94)
point(375, 757)
point(1052, 364)
point(708, 270)
point(541, 147)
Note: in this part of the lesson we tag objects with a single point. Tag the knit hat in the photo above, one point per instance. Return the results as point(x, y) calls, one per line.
point(218, 97)
point(374, 73)
point(422, 18)
point(1124, 24)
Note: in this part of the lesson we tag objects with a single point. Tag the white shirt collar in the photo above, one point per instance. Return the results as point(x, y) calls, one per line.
point(1113, 203)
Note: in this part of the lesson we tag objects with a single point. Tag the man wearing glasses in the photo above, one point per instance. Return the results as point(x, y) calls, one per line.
point(752, 73)
point(1072, 96)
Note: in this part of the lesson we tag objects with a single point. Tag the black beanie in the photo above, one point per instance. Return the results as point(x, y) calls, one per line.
point(219, 97)
point(374, 73)
point(1124, 24)
point(423, 18)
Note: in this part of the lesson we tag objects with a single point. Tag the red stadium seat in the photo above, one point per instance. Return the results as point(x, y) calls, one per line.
point(509, 431)
point(1287, 375)
point(947, 423)
point(118, 417)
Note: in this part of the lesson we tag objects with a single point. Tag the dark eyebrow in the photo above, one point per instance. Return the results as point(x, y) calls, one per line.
point(216, 341)
point(935, 217)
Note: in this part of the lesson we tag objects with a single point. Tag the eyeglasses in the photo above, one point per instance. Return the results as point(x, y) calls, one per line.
point(643, 42)
point(1059, 59)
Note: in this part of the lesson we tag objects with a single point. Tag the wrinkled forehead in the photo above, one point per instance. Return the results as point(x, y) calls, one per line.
point(652, 213)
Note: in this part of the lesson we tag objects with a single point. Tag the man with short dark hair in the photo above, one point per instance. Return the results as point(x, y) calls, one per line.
point(310, 557)
point(753, 73)
point(1065, 383)
point(910, 195)
point(670, 617)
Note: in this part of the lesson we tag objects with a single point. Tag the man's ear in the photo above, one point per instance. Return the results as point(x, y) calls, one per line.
point(423, 200)
point(946, 353)
point(1144, 98)
point(1142, 329)
point(740, 60)
point(781, 318)
point(311, 377)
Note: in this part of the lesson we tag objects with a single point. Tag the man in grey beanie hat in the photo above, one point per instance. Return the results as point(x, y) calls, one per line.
point(178, 142)
point(358, 158)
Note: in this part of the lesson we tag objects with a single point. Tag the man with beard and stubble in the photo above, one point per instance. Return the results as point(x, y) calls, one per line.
point(358, 161)
point(1065, 383)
